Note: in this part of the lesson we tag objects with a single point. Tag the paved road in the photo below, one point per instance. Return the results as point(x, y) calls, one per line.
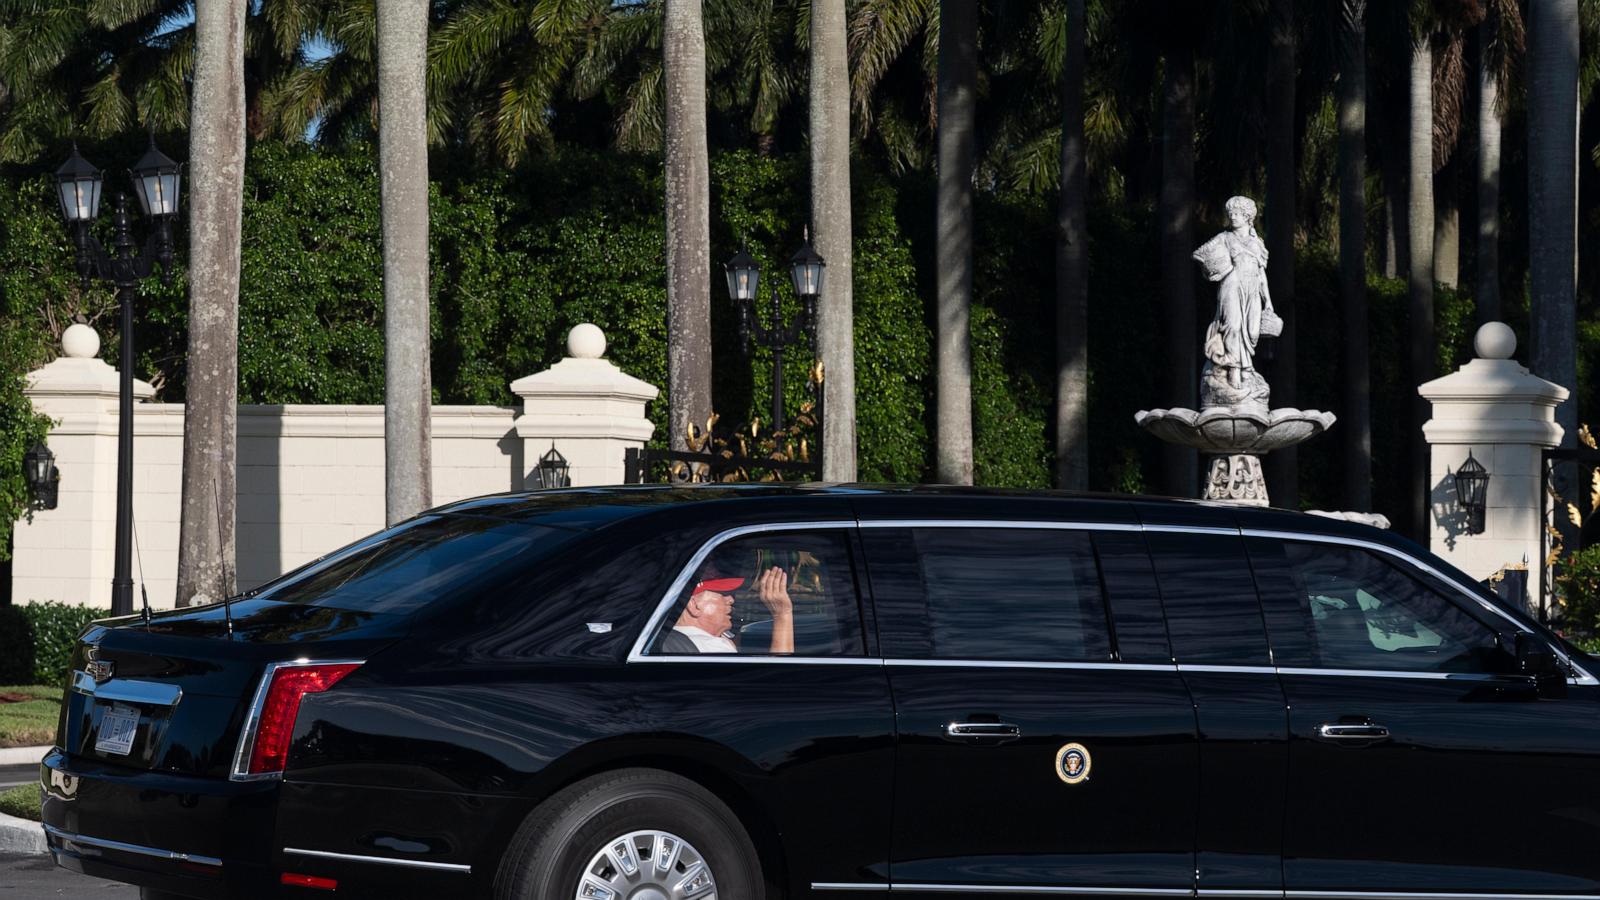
point(11, 776)
point(36, 877)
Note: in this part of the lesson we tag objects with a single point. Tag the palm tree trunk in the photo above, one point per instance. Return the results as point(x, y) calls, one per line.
point(830, 217)
point(958, 87)
point(1356, 421)
point(688, 176)
point(206, 556)
point(1072, 272)
point(1489, 124)
point(1552, 60)
point(1282, 466)
point(1447, 224)
point(403, 170)
point(1419, 214)
point(1179, 465)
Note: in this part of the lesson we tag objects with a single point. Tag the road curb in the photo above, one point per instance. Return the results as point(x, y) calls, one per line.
point(16, 756)
point(20, 835)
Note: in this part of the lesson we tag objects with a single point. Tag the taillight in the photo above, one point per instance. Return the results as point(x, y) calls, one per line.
point(289, 683)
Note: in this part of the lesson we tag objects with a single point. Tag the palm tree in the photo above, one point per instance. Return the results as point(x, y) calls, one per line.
point(1072, 266)
point(1419, 282)
point(1499, 43)
point(1357, 413)
point(830, 215)
point(1176, 215)
point(894, 90)
point(688, 177)
point(1282, 466)
point(957, 148)
point(1552, 62)
point(403, 164)
point(216, 162)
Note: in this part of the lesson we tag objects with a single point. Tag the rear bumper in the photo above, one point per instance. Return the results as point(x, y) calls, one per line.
point(195, 836)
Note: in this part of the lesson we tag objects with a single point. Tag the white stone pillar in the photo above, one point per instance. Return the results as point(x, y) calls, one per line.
point(67, 552)
point(1505, 417)
point(587, 408)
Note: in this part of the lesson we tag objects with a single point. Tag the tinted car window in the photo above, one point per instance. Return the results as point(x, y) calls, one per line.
point(406, 567)
point(1130, 586)
point(730, 601)
point(988, 593)
point(1367, 613)
point(1213, 615)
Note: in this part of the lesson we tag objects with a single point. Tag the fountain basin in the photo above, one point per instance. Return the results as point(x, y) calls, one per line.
point(1229, 430)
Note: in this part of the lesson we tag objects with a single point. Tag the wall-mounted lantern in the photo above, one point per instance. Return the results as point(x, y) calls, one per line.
point(552, 471)
point(1472, 492)
point(39, 470)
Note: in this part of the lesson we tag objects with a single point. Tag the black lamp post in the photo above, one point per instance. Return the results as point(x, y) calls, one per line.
point(552, 471)
point(743, 278)
point(156, 180)
point(39, 470)
point(1472, 492)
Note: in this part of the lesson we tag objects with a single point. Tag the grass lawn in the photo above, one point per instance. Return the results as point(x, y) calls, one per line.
point(28, 715)
point(21, 801)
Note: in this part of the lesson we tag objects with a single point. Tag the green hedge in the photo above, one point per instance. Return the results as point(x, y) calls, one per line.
point(520, 257)
point(36, 640)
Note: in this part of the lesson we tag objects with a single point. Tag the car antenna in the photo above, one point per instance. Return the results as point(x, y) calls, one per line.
point(227, 599)
point(139, 555)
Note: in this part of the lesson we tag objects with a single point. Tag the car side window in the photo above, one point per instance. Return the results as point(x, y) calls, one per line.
point(776, 593)
point(988, 594)
point(1366, 612)
point(1213, 613)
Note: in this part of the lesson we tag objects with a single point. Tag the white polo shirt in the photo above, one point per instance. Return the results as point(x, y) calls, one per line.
point(704, 642)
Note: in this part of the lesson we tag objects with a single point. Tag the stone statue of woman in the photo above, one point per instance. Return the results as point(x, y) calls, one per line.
point(1238, 259)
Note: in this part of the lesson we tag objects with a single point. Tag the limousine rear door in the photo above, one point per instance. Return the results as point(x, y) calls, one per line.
point(1420, 760)
point(1028, 753)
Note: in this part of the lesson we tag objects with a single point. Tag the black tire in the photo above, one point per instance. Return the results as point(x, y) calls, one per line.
point(547, 855)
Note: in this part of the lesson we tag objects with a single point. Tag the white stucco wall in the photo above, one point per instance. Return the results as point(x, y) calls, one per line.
point(311, 477)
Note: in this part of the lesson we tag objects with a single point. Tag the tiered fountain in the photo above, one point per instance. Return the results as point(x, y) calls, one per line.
point(1235, 423)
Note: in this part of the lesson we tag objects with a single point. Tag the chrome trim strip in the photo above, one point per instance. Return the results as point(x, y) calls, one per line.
point(127, 690)
point(1229, 894)
point(462, 868)
point(1002, 523)
point(107, 844)
point(1584, 676)
point(862, 886)
point(1244, 670)
point(1192, 529)
point(1052, 891)
point(247, 735)
point(1407, 895)
point(1026, 664)
point(636, 652)
point(763, 658)
point(1389, 673)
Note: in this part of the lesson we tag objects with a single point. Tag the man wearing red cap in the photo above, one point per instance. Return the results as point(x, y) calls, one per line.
point(706, 624)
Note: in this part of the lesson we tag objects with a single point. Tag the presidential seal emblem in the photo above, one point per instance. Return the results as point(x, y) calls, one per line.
point(1072, 763)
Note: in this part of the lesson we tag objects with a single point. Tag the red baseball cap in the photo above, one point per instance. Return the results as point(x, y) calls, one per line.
point(720, 585)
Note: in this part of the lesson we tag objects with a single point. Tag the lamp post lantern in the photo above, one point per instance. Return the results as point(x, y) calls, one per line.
point(552, 471)
point(39, 471)
point(1472, 492)
point(156, 179)
point(743, 278)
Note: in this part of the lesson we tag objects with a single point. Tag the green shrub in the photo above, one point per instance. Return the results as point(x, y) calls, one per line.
point(55, 627)
point(1578, 583)
point(21, 801)
point(16, 646)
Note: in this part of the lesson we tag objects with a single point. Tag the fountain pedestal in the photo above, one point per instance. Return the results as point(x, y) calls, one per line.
point(1236, 437)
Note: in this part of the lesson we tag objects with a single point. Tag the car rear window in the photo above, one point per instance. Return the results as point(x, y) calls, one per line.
point(417, 562)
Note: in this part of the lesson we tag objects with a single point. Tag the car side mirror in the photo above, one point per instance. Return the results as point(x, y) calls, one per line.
point(1537, 661)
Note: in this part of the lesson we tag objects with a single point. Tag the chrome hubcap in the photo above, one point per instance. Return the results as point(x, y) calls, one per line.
point(647, 865)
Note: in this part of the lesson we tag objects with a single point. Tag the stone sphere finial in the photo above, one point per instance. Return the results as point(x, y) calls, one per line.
point(80, 341)
point(1495, 340)
point(586, 341)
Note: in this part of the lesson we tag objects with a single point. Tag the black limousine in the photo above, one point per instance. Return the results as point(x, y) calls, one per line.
point(817, 691)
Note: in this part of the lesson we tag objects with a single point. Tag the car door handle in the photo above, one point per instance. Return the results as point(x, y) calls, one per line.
point(981, 732)
point(1366, 732)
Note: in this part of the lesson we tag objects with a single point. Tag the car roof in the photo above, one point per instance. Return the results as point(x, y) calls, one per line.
point(742, 503)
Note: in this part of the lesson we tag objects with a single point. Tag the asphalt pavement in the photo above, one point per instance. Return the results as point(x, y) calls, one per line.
point(11, 776)
point(36, 877)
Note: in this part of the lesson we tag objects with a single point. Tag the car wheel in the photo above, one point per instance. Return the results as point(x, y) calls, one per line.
point(640, 834)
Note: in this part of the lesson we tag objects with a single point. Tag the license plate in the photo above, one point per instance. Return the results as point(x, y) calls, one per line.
point(117, 727)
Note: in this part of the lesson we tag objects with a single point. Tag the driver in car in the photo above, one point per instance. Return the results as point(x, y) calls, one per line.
point(706, 624)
